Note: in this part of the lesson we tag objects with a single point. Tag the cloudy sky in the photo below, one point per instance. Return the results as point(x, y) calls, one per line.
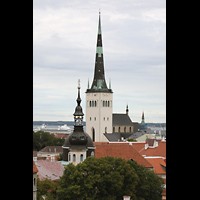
point(134, 48)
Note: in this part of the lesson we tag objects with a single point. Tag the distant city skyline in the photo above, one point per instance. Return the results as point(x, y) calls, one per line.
point(134, 48)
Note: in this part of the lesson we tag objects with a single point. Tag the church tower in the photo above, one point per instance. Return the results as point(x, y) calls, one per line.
point(78, 145)
point(99, 99)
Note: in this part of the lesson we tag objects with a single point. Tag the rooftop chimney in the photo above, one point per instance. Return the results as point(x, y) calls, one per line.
point(126, 197)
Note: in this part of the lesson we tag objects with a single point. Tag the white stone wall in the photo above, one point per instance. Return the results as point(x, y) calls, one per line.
point(77, 154)
point(99, 117)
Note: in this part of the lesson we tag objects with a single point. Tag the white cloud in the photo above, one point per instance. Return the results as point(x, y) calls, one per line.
point(64, 45)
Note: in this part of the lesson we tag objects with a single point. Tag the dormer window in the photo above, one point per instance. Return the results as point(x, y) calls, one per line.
point(82, 137)
point(73, 137)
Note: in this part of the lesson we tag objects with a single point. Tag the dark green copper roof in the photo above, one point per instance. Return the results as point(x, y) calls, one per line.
point(99, 82)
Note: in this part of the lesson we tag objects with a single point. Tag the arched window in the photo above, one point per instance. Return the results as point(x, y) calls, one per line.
point(108, 103)
point(103, 103)
point(81, 157)
point(95, 103)
point(105, 129)
point(90, 103)
point(119, 130)
point(74, 157)
point(93, 135)
point(124, 129)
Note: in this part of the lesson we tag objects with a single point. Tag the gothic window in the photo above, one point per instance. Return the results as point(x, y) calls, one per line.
point(95, 103)
point(81, 157)
point(108, 103)
point(90, 103)
point(103, 103)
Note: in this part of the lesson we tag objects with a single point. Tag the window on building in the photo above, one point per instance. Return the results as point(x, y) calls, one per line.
point(124, 129)
point(95, 119)
point(108, 103)
point(90, 118)
point(105, 129)
point(90, 103)
point(119, 130)
point(95, 103)
point(107, 118)
point(34, 181)
point(74, 157)
point(113, 129)
point(93, 134)
point(81, 157)
point(104, 118)
point(130, 129)
point(103, 103)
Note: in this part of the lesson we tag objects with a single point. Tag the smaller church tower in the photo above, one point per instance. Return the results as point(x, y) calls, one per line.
point(78, 145)
point(143, 125)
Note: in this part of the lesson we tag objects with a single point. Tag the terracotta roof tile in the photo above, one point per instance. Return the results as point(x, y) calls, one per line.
point(48, 169)
point(157, 162)
point(160, 150)
point(51, 149)
point(120, 150)
point(35, 170)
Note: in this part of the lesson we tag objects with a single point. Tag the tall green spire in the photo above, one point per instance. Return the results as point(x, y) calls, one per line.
point(99, 82)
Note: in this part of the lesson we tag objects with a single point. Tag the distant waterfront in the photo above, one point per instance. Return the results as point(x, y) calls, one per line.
point(55, 124)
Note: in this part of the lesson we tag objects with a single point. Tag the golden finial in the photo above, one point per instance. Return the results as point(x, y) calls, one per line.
point(99, 11)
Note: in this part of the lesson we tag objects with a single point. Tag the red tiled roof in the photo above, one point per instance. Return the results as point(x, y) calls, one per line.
point(120, 150)
point(164, 192)
point(48, 169)
point(35, 170)
point(139, 146)
point(51, 149)
point(160, 150)
point(157, 162)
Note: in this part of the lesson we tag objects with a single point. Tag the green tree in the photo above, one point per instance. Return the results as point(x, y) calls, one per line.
point(42, 139)
point(46, 188)
point(103, 178)
point(150, 185)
